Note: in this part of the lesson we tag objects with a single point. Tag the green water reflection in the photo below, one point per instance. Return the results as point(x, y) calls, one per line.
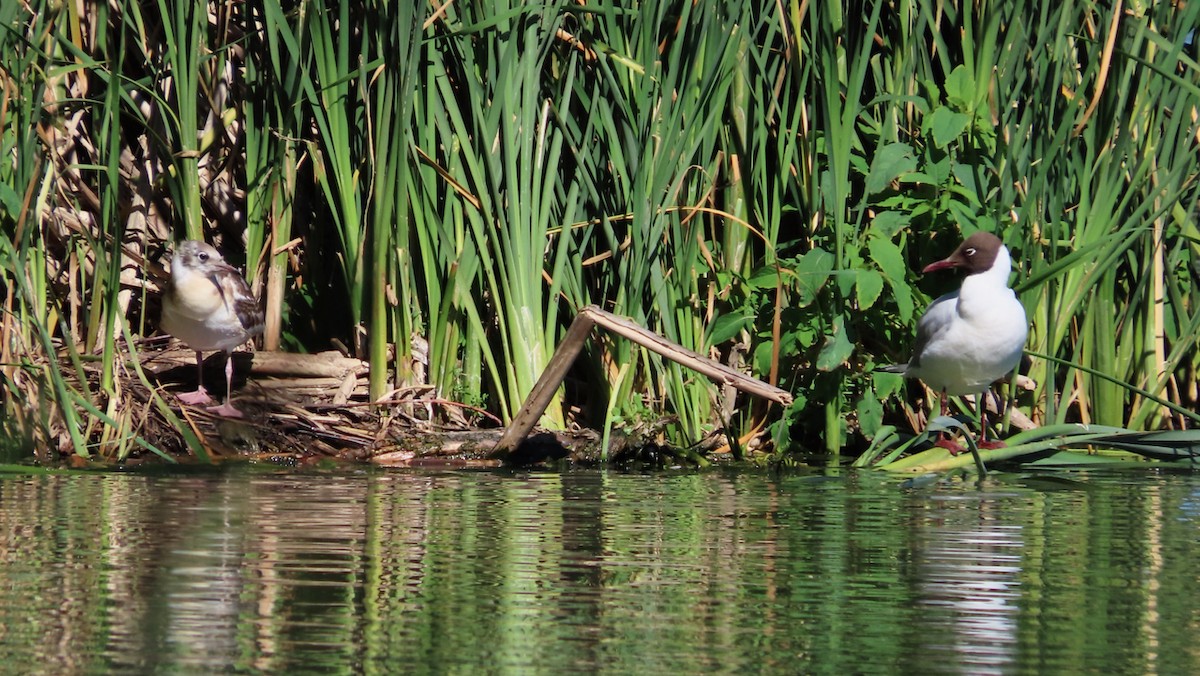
point(378, 572)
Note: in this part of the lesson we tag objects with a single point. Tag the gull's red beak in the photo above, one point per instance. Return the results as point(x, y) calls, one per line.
point(940, 265)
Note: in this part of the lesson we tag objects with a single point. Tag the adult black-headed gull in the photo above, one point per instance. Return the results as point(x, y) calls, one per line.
point(970, 338)
point(208, 305)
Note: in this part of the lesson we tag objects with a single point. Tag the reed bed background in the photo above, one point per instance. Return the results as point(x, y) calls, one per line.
point(437, 187)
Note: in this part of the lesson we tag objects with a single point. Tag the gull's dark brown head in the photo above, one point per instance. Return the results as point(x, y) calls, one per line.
point(976, 254)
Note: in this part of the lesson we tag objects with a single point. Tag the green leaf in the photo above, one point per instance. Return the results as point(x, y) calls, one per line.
point(946, 125)
point(971, 177)
point(727, 326)
point(889, 259)
point(887, 256)
point(918, 177)
point(858, 164)
point(766, 277)
point(804, 336)
point(902, 294)
point(812, 271)
point(868, 287)
point(887, 223)
point(837, 348)
point(960, 88)
point(964, 215)
point(939, 172)
point(10, 200)
point(891, 161)
point(887, 384)
point(969, 197)
point(870, 414)
point(761, 357)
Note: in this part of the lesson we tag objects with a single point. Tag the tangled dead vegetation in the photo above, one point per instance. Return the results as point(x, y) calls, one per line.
point(300, 409)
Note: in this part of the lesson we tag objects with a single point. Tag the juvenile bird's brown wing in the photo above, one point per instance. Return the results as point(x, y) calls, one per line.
point(237, 295)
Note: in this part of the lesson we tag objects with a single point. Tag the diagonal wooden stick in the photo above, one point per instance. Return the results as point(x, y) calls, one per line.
point(591, 316)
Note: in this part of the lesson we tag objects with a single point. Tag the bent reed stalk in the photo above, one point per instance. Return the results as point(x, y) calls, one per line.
point(439, 188)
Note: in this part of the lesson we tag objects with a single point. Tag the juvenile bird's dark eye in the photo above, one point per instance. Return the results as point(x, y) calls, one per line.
point(203, 257)
point(971, 251)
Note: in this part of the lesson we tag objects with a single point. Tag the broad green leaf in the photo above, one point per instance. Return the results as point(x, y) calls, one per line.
point(761, 357)
point(870, 414)
point(971, 197)
point(728, 326)
point(868, 288)
point(812, 271)
point(960, 88)
point(946, 125)
point(964, 215)
point(901, 201)
point(891, 161)
point(920, 177)
point(859, 165)
point(939, 171)
point(887, 256)
point(837, 348)
point(902, 294)
point(791, 343)
point(846, 279)
point(766, 277)
point(920, 210)
point(889, 259)
point(987, 222)
point(971, 176)
point(887, 384)
point(10, 200)
point(804, 336)
point(887, 223)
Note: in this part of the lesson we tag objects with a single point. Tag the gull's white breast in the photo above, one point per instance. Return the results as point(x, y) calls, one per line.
point(975, 337)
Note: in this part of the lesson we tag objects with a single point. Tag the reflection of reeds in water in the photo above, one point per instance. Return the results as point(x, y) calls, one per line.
point(593, 571)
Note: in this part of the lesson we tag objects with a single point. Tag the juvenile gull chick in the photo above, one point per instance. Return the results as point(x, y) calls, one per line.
point(208, 305)
point(972, 337)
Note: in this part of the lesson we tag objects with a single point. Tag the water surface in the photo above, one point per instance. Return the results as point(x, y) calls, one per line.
point(250, 570)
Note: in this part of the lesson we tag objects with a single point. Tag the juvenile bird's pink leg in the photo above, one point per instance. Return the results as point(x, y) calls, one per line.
point(227, 408)
point(200, 395)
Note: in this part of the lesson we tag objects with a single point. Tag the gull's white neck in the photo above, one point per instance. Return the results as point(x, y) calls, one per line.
point(985, 296)
point(992, 279)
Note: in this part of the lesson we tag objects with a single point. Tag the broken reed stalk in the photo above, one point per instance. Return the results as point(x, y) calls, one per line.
point(590, 316)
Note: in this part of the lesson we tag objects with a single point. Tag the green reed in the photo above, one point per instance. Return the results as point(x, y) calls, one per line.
point(439, 189)
point(1100, 193)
